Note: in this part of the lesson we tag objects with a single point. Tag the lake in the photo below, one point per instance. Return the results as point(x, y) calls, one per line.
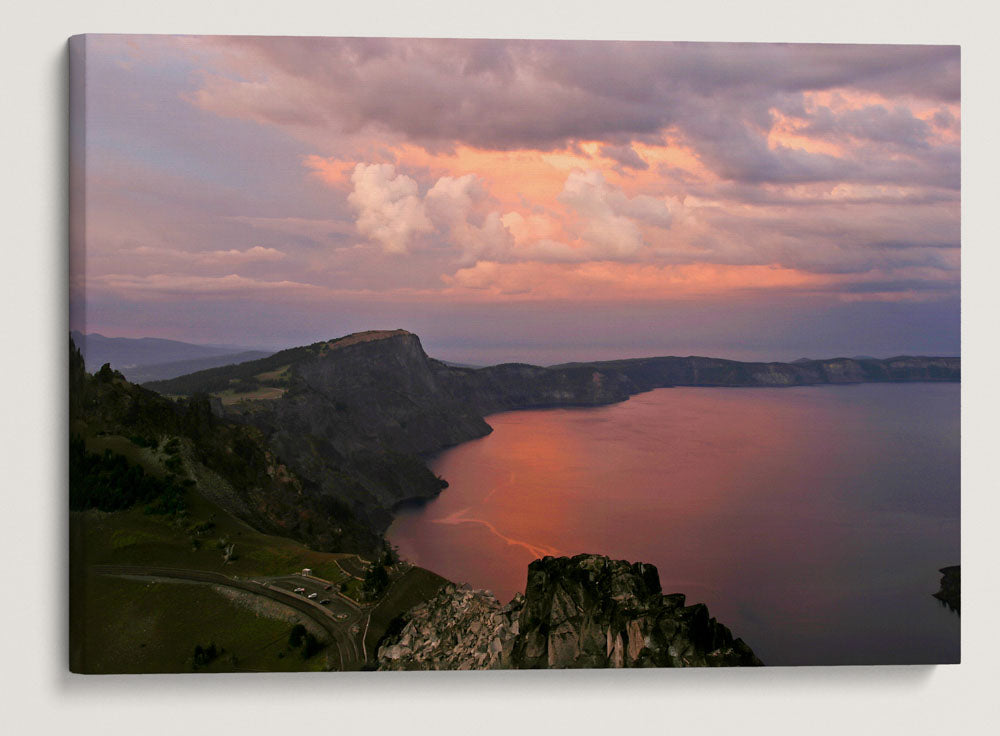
point(811, 520)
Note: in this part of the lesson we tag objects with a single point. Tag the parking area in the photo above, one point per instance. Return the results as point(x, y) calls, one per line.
point(319, 591)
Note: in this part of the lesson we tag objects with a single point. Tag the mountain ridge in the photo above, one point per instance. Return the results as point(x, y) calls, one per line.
point(151, 358)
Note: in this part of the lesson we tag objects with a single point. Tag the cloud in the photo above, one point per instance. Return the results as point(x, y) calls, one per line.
point(226, 258)
point(171, 285)
point(389, 210)
point(451, 202)
point(945, 119)
point(316, 230)
point(608, 280)
point(625, 156)
point(232, 256)
point(721, 99)
point(626, 169)
point(898, 126)
point(610, 221)
point(455, 212)
point(544, 94)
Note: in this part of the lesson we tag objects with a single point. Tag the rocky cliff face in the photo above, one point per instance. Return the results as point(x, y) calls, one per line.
point(585, 611)
point(357, 416)
point(644, 374)
point(520, 386)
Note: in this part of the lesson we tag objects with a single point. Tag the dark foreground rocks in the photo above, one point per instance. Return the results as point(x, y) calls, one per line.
point(951, 588)
point(584, 611)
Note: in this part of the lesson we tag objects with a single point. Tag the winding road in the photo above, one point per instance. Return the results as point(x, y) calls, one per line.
point(342, 619)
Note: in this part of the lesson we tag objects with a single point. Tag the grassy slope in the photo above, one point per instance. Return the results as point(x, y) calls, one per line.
point(121, 625)
point(124, 625)
point(220, 379)
point(155, 627)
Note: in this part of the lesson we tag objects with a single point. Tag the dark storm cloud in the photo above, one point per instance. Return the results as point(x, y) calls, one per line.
point(625, 156)
point(546, 94)
point(873, 123)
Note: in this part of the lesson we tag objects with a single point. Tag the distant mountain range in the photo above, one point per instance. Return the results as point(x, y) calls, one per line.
point(155, 359)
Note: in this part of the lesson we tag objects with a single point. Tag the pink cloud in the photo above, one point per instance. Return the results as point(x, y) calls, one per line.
point(171, 285)
point(389, 209)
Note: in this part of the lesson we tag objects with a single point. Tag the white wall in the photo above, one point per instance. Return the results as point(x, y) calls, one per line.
point(38, 693)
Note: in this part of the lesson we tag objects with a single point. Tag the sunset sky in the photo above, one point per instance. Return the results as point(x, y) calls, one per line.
point(520, 200)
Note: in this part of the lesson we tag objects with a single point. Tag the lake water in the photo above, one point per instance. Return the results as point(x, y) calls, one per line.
point(812, 521)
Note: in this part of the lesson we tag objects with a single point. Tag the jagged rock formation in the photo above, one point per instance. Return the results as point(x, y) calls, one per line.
point(585, 611)
point(950, 593)
point(358, 413)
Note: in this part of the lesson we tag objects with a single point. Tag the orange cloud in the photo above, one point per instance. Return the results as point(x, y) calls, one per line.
point(514, 177)
point(331, 171)
point(609, 280)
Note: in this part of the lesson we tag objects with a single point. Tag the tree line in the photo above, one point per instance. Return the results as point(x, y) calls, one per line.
point(109, 482)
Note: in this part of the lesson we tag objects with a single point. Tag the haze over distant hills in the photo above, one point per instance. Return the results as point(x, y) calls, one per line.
point(154, 359)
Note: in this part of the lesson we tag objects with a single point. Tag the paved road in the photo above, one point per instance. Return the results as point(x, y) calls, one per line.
point(344, 621)
point(354, 566)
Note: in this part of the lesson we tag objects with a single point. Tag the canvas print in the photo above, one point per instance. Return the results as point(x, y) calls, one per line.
point(420, 354)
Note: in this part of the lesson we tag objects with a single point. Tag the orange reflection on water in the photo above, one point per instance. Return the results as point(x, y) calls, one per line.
point(779, 508)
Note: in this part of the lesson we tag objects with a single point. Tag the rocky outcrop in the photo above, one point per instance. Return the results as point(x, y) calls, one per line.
point(585, 611)
point(458, 629)
point(950, 593)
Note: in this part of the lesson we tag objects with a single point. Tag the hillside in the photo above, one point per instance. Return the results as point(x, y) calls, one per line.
point(150, 358)
point(162, 371)
point(124, 352)
point(185, 442)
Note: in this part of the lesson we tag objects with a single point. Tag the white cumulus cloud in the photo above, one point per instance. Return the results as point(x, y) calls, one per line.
point(451, 203)
point(609, 220)
point(390, 210)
